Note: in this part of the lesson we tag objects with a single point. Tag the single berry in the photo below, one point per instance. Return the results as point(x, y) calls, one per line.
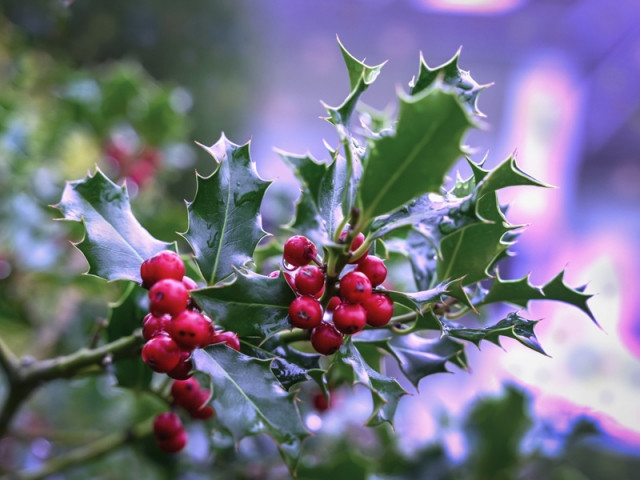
point(166, 425)
point(350, 318)
point(325, 339)
point(379, 309)
point(165, 264)
point(299, 251)
point(309, 280)
point(184, 392)
point(355, 287)
point(321, 403)
point(161, 353)
point(190, 329)
point(374, 268)
point(305, 312)
point(333, 303)
point(184, 369)
point(173, 444)
point(355, 244)
point(229, 338)
point(168, 296)
point(199, 408)
point(203, 413)
point(152, 325)
point(189, 283)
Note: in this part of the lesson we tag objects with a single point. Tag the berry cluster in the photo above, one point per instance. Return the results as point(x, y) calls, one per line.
point(356, 305)
point(168, 429)
point(173, 329)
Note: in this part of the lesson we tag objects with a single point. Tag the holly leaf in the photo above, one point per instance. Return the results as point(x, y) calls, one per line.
point(114, 244)
point(521, 291)
point(385, 391)
point(506, 174)
point(125, 317)
point(419, 357)
point(417, 300)
point(250, 400)
point(360, 77)
point(414, 159)
point(225, 225)
point(512, 326)
point(450, 74)
point(252, 305)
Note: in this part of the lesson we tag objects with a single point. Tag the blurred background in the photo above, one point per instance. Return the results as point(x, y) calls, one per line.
point(130, 85)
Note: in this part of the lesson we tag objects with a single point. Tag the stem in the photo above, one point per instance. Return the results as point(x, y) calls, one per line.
point(297, 335)
point(91, 451)
point(24, 378)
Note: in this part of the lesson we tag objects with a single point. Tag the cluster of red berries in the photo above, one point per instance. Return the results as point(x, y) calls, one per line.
point(356, 305)
point(173, 329)
point(168, 428)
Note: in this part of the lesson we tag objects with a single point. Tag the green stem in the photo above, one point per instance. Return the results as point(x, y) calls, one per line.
point(24, 378)
point(91, 451)
point(296, 335)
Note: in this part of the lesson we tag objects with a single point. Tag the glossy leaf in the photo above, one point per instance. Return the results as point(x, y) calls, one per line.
point(250, 400)
point(385, 391)
point(225, 225)
point(417, 300)
point(125, 316)
point(507, 174)
point(450, 74)
point(251, 305)
point(115, 244)
point(415, 158)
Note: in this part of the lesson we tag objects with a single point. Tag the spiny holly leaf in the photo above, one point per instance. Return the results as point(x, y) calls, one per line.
point(415, 159)
point(385, 391)
point(125, 316)
point(513, 326)
point(115, 244)
point(419, 357)
point(250, 400)
point(521, 291)
point(360, 77)
point(251, 305)
point(506, 174)
point(224, 218)
point(467, 253)
point(417, 300)
point(320, 208)
point(450, 74)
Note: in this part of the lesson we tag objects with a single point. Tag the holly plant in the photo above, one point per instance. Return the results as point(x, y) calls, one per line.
point(386, 261)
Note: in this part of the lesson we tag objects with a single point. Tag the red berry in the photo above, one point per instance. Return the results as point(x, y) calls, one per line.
point(333, 303)
point(173, 444)
point(325, 339)
point(189, 283)
point(166, 425)
point(374, 268)
point(168, 296)
point(355, 244)
point(299, 251)
point(379, 309)
point(165, 264)
point(184, 392)
point(161, 353)
point(199, 408)
point(305, 312)
point(190, 329)
point(203, 413)
point(321, 403)
point(230, 338)
point(355, 287)
point(152, 325)
point(349, 318)
point(183, 370)
point(309, 280)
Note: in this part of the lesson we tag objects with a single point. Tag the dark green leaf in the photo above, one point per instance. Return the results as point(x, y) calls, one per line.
point(512, 326)
point(419, 357)
point(251, 305)
point(115, 244)
point(414, 160)
point(250, 400)
point(450, 74)
point(385, 391)
point(418, 300)
point(224, 218)
point(125, 316)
